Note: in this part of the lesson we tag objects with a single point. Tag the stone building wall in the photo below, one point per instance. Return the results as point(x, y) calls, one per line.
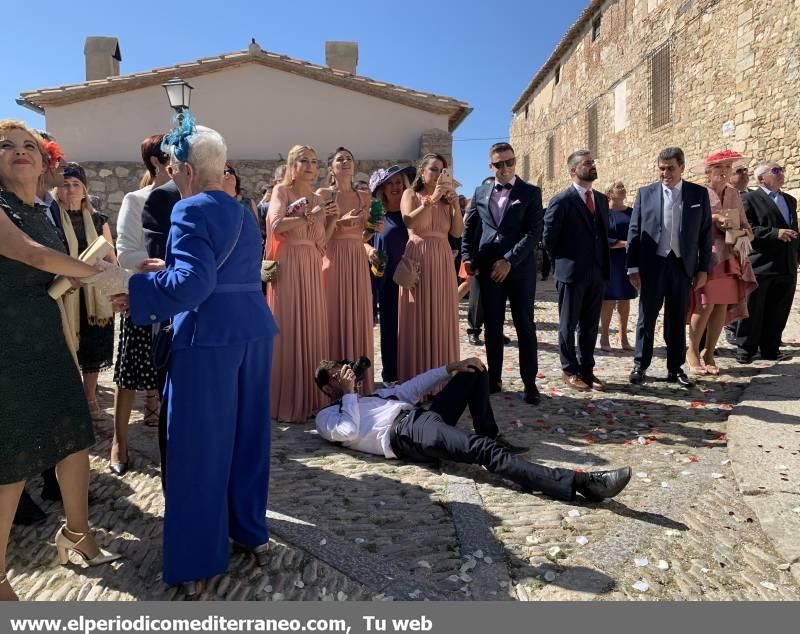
point(735, 67)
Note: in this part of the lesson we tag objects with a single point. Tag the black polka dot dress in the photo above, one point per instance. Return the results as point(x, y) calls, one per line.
point(134, 369)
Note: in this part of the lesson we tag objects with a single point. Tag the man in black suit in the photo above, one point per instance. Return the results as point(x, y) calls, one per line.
point(772, 214)
point(501, 229)
point(576, 238)
point(669, 251)
point(155, 226)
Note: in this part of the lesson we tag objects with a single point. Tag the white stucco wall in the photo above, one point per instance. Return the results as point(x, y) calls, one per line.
point(260, 111)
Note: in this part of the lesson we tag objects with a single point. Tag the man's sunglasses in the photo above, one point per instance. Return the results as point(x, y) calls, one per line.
point(777, 171)
point(507, 163)
point(741, 170)
point(228, 172)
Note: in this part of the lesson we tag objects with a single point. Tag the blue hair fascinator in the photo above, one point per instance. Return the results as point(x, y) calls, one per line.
point(178, 137)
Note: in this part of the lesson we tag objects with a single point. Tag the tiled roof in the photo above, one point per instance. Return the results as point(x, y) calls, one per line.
point(72, 93)
point(573, 34)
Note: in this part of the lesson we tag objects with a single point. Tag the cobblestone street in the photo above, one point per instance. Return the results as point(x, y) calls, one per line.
point(346, 526)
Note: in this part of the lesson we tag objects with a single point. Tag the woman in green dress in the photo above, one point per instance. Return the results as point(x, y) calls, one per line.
point(44, 418)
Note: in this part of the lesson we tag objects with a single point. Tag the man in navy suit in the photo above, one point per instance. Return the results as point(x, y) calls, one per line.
point(501, 229)
point(669, 251)
point(576, 238)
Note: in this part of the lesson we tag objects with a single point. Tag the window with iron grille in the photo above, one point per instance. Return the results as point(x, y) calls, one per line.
point(591, 129)
point(526, 167)
point(551, 157)
point(660, 87)
point(596, 28)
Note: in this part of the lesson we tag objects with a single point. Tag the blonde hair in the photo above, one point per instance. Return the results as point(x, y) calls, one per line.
point(382, 189)
point(295, 154)
point(611, 186)
point(86, 204)
point(145, 180)
point(6, 125)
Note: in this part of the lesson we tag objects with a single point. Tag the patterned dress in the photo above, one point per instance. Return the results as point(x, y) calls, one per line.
point(43, 413)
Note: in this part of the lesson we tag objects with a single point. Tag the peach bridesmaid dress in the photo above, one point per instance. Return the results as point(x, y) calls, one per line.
point(428, 313)
point(297, 302)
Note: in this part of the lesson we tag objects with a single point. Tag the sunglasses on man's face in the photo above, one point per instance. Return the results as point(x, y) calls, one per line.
point(777, 171)
point(507, 163)
point(741, 170)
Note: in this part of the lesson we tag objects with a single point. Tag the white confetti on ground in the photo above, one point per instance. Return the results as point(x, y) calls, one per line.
point(641, 562)
point(641, 586)
point(582, 540)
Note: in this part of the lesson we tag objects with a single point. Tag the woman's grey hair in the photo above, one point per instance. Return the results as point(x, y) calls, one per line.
point(207, 154)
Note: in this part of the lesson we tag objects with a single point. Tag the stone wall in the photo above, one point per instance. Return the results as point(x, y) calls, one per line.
point(735, 67)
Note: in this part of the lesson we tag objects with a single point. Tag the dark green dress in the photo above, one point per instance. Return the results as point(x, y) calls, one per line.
point(43, 412)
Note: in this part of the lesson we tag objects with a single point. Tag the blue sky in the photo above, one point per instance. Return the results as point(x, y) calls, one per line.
point(482, 52)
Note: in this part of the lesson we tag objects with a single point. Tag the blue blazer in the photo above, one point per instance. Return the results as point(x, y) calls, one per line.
point(514, 239)
point(647, 221)
point(570, 234)
point(209, 307)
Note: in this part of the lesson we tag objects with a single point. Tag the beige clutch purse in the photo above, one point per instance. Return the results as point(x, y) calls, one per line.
point(97, 250)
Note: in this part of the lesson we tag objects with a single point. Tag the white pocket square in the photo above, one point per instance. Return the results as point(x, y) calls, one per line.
point(514, 202)
point(697, 205)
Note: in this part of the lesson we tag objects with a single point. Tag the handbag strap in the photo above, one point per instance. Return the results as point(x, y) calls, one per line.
point(235, 242)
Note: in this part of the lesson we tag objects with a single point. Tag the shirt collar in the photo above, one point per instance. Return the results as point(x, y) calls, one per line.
point(512, 183)
point(769, 192)
point(581, 190)
point(678, 188)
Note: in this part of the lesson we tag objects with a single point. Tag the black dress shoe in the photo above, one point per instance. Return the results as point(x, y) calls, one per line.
point(261, 552)
point(28, 512)
point(504, 444)
point(494, 388)
point(120, 468)
point(637, 376)
point(744, 358)
point(532, 396)
point(680, 378)
point(600, 485)
point(506, 340)
point(474, 340)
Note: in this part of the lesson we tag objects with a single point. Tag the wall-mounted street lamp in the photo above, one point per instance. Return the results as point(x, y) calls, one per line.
point(179, 94)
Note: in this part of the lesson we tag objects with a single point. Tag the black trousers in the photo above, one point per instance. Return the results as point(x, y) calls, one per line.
point(475, 309)
point(520, 293)
point(668, 285)
point(579, 306)
point(431, 435)
point(769, 306)
point(388, 298)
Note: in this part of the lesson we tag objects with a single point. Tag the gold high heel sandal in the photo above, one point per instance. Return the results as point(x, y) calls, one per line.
point(65, 545)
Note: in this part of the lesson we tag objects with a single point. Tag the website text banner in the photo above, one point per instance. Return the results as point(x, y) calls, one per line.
point(400, 618)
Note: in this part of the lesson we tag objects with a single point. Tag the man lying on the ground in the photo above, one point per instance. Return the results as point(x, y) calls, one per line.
point(391, 424)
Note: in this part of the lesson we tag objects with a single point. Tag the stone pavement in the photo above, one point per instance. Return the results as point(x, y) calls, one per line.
point(347, 526)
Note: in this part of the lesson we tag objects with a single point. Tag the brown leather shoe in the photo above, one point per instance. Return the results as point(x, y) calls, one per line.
point(594, 383)
point(574, 381)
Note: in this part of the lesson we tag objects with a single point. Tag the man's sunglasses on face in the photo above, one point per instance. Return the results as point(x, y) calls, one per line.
point(741, 171)
point(507, 163)
point(777, 171)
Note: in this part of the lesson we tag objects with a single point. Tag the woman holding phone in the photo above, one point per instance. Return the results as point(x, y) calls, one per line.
point(345, 267)
point(428, 311)
point(296, 236)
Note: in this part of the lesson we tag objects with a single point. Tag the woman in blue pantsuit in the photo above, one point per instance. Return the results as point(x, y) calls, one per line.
point(218, 420)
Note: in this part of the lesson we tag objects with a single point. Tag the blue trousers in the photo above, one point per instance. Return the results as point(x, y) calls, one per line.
point(218, 428)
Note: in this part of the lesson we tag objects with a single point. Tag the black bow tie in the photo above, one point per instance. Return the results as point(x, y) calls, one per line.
point(500, 187)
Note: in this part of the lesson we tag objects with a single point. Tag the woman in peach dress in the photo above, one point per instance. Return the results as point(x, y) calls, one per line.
point(345, 268)
point(296, 239)
point(731, 279)
point(428, 312)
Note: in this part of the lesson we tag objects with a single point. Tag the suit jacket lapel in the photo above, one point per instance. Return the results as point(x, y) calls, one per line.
point(484, 209)
point(512, 196)
point(582, 208)
point(773, 207)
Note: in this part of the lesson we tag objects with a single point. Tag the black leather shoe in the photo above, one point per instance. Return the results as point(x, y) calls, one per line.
point(506, 340)
point(504, 444)
point(744, 358)
point(532, 396)
point(120, 468)
point(474, 340)
point(28, 512)
point(494, 388)
point(637, 375)
point(600, 485)
point(261, 552)
point(730, 337)
point(680, 378)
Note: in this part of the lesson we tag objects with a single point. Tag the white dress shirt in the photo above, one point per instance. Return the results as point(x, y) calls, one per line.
point(363, 423)
point(582, 193)
point(130, 236)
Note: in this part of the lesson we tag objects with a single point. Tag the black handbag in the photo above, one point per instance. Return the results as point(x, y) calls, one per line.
point(162, 340)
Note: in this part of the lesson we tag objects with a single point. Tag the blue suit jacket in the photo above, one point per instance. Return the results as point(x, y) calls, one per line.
point(514, 239)
point(647, 221)
point(210, 307)
point(570, 233)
